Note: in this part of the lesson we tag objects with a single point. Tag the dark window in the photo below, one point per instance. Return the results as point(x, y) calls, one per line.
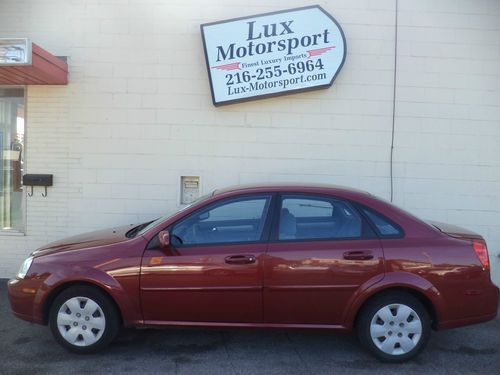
point(316, 217)
point(232, 221)
point(384, 226)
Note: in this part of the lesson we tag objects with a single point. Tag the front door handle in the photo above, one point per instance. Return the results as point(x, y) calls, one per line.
point(240, 259)
point(358, 255)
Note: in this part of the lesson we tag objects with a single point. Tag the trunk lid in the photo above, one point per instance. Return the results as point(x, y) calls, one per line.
point(455, 231)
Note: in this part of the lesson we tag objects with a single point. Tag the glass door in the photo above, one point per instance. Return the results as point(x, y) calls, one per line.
point(12, 113)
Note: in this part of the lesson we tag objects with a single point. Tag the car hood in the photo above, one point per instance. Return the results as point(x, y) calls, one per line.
point(86, 240)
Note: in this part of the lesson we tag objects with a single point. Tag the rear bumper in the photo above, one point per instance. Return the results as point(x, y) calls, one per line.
point(488, 305)
point(23, 299)
point(466, 321)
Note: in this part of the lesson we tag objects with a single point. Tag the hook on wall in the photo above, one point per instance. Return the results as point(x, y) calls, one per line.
point(32, 180)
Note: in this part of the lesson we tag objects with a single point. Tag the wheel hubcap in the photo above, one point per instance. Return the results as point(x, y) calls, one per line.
point(396, 329)
point(81, 321)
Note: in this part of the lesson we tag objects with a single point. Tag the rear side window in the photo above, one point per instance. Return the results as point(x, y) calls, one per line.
point(385, 227)
point(316, 217)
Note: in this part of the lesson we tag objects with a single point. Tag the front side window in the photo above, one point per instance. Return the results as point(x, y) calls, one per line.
point(11, 154)
point(232, 221)
point(311, 217)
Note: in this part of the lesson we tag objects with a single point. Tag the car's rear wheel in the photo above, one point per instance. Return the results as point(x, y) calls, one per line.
point(394, 327)
point(83, 319)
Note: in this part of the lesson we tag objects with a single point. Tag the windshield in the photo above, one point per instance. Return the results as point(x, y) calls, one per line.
point(143, 228)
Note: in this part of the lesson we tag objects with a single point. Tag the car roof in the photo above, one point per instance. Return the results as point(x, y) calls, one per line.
point(289, 187)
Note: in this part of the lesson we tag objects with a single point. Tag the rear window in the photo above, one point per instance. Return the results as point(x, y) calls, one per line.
point(384, 226)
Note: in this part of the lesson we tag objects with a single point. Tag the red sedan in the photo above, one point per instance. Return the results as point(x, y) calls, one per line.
point(264, 256)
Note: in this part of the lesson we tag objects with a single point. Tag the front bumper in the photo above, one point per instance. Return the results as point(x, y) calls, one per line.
point(24, 301)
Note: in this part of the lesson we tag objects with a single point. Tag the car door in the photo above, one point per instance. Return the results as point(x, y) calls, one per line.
point(321, 251)
point(212, 271)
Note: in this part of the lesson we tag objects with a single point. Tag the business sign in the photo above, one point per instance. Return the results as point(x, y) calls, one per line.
point(272, 54)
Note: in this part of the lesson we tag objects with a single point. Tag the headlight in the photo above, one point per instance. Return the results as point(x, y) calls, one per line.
point(25, 267)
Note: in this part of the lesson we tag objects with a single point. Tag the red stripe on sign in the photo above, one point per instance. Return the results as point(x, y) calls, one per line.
point(232, 66)
point(319, 51)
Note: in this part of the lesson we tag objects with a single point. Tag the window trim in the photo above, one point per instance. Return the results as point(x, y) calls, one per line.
point(275, 225)
point(401, 234)
point(264, 238)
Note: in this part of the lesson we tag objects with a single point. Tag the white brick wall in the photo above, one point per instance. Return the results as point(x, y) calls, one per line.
point(137, 113)
point(447, 143)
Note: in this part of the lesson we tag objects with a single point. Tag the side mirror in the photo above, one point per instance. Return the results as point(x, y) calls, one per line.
point(164, 239)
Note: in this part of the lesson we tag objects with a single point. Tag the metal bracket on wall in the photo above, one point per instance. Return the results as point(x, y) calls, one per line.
point(38, 180)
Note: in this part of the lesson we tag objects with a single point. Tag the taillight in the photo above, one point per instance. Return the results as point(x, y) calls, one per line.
point(482, 253)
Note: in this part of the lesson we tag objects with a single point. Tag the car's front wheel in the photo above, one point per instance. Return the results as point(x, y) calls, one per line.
point(394, 327)
point(83, 319)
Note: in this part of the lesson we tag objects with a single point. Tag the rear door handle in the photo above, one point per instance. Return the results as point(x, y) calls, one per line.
point(358, 255)
point(240, 259)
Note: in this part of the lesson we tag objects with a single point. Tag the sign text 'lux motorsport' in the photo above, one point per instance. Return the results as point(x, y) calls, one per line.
point(272, 54)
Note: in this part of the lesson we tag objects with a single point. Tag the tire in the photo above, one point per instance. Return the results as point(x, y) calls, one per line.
point(397, 319)
point(83, 319)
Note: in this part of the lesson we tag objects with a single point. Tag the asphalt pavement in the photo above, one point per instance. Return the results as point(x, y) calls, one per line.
point(30, 349)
